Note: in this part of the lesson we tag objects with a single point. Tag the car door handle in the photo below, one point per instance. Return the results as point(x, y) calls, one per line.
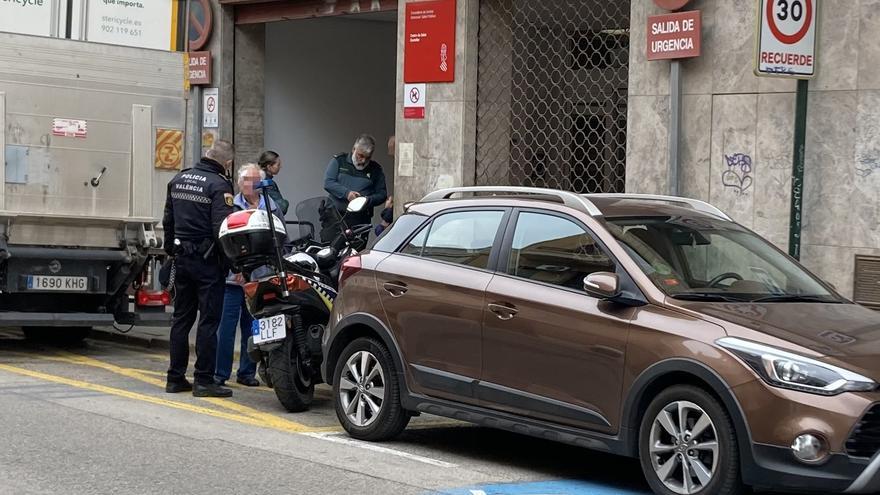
point(503, 311)
point(396, 289)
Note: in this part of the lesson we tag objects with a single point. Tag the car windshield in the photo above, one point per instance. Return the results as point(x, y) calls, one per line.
point(714, 260)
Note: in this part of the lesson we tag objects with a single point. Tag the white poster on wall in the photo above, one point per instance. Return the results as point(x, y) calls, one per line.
point(211, 108)
point(33, 17)
point(139, 23)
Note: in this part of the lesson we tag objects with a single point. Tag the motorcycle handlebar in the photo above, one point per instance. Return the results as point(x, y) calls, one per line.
point(349, 235)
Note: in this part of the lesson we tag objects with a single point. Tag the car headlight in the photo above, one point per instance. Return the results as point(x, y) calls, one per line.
point(786, 370)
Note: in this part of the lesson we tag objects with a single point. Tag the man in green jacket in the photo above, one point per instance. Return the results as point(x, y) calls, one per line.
point(351, 175)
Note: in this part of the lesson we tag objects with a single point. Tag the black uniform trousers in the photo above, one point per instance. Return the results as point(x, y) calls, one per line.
point(199, 286)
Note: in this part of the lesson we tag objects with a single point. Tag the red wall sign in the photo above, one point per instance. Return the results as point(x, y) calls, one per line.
point(429, 54)
point(199, 68)
point(674, 35)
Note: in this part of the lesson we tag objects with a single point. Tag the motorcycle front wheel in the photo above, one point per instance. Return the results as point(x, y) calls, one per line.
point(293, 389)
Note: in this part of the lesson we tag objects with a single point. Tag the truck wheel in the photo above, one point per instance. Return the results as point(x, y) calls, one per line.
point(687, 444)
point(65, 336)
point(294, 391)
point(366, 392)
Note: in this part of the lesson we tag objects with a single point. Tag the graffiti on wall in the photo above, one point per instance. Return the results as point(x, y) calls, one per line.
point(868, 166)
point(737, 175)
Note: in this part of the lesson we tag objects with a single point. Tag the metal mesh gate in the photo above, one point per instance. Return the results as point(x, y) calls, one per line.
point(551, 94)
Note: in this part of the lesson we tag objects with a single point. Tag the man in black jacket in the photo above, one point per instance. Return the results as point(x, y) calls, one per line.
point(198, 200)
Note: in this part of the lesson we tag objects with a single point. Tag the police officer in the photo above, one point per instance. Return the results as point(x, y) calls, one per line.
point(351, 175)
point(198, 200)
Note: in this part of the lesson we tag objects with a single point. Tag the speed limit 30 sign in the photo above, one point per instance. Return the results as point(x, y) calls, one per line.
point(787, 38)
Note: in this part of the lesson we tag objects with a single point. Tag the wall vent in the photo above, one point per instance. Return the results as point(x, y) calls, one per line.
point(867, 281)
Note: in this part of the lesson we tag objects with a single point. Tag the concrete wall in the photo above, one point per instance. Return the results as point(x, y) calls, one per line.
point(732, 118)
point(327, 81)
point(249, 99)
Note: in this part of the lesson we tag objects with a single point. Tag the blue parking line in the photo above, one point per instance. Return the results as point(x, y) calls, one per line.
point(558, 487)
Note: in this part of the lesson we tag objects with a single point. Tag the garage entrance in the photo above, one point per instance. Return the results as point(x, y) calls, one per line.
point(327, 80)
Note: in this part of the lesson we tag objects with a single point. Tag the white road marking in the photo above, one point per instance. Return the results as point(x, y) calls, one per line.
point(344, 440)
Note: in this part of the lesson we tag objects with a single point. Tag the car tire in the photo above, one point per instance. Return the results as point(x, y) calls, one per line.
point(708, 470)
point(293, 391)
point(356, 400)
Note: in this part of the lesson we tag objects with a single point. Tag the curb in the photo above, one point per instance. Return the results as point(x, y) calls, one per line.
point(139, 340)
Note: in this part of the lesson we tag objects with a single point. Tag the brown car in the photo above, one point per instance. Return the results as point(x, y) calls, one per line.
point(646, 326)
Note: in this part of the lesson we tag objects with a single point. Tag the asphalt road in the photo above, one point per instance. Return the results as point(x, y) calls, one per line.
point(95, 419)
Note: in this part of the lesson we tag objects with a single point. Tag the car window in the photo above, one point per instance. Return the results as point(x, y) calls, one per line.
point(464, 238)
point(688, 257)
point(724, 255)
point(397, 232)
point(416, 244)
point(555, 250)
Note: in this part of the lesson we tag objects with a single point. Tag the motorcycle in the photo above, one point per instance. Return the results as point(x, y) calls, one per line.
point(289, 295)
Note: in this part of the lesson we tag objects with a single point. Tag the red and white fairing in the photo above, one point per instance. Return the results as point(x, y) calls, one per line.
point(247, 221)
point(245, 234)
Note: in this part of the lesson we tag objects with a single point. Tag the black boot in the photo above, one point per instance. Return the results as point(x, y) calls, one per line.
point(210, 390)
point(177, 387)
point(248, 381)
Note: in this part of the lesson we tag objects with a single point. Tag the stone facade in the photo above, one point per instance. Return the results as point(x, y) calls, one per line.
point(737, 130)
point(736, 148)
point(444, 141)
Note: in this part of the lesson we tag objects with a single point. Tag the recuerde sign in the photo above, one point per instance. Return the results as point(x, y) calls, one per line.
point(786, 38)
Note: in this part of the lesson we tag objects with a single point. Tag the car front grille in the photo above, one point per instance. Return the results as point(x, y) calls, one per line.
point(865, 438)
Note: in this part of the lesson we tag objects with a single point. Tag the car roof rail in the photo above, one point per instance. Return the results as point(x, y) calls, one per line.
point(570, 199)
point(695, 204)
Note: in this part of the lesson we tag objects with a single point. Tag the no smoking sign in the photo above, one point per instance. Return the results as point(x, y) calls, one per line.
point(787, 38)
point(414, 101)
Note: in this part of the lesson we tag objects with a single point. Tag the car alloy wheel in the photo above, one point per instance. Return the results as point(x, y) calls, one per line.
point(684, 447)
point(362, 388)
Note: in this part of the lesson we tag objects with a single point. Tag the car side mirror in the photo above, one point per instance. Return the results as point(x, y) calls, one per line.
point(602, 285)
point(357, 204)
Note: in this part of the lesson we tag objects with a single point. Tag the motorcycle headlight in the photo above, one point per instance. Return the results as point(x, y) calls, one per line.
point(787, 370)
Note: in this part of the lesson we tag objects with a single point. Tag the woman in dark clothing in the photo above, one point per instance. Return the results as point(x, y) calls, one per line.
point(270, 162)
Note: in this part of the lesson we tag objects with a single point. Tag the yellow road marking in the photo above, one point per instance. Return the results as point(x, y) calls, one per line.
point(268, 419)
point(136, 396)
point(149, 372)
point(119, 370)
point(263, 419)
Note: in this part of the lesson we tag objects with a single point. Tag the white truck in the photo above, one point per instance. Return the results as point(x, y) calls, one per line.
point(82, 197)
